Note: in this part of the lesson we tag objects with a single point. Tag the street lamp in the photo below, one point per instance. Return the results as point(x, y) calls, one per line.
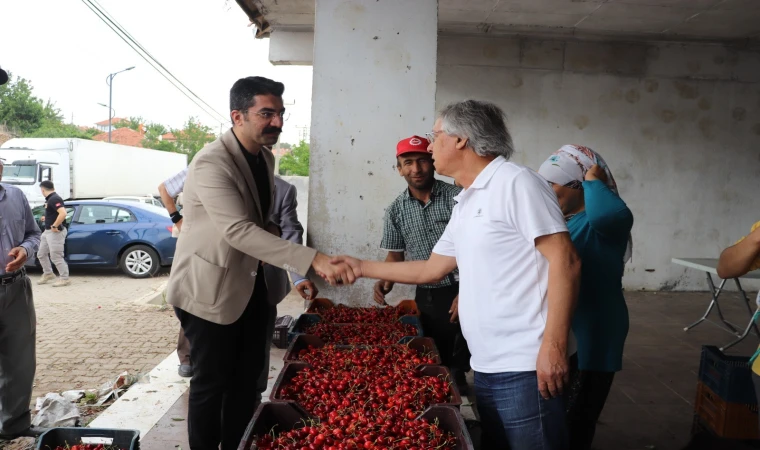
point(109, 82)
point(112, 111)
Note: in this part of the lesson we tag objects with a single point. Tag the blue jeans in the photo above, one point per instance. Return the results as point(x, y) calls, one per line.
point(514, 416)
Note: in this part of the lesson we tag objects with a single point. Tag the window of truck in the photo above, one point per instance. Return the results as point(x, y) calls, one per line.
point(19, 174)
point(46, 173)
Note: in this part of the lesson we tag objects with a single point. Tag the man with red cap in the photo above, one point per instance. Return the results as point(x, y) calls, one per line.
point(414, 222)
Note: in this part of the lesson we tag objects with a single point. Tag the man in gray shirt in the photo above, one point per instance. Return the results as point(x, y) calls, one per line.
point(19, 238)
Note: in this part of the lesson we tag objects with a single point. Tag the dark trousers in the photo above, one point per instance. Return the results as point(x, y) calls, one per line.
point(435, 318)
point(183, 348)
point(18, 331)
point(585, 400)
point(227, 362)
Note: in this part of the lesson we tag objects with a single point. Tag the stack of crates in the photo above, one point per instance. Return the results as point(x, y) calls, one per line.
point(726, 404)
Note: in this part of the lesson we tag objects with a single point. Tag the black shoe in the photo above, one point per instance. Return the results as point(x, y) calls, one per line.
point(29, 432)
point(185, 371)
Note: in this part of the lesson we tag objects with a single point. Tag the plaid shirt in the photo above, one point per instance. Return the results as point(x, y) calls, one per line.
point(414, 228)
point(176, 184)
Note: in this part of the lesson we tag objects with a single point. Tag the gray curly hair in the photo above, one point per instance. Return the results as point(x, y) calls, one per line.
point(483, 123)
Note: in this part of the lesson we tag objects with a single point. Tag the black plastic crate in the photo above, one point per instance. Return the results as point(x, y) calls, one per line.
point(124, 439)
point(281, 328)
point(287, 416)
point(730, 377)
point(273, 417)
point(303, 321)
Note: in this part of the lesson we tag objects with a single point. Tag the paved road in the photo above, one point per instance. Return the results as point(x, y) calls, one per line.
point(91, 331)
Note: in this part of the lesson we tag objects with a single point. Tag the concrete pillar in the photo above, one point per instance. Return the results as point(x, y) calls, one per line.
point(374, 84)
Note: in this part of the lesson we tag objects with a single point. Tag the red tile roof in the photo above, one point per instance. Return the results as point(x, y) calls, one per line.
point(123, 136)
point(115, 120)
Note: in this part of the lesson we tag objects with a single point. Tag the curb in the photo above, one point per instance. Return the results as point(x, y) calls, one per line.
point(155, 297)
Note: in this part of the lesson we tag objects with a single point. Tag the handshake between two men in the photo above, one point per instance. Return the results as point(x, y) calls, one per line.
point(340, 270)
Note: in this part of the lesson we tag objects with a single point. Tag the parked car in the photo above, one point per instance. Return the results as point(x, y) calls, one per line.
point(147, 199)
point(134, 237)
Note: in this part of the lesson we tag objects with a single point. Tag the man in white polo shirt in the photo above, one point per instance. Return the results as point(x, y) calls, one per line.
point(519, 276)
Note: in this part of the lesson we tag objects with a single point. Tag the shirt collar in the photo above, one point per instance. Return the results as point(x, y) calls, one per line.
point(483, 177)
point(248, 155)
point(487, 173)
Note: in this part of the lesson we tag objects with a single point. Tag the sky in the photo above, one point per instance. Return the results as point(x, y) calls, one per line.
point(66, 52)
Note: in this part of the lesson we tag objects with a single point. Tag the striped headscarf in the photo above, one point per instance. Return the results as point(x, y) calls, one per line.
point(568, 167)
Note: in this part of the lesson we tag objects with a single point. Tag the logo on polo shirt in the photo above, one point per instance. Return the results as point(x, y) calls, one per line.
point(479, 213)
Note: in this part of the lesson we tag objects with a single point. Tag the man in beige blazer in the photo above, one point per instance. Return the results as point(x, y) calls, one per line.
point(215, 286)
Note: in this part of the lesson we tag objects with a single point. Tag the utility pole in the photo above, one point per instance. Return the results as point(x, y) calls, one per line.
point(109, 81)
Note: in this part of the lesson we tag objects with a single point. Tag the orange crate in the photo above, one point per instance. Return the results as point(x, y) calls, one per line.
point(728, 420)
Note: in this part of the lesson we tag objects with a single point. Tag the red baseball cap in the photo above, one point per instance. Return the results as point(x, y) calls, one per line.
point(414, 144)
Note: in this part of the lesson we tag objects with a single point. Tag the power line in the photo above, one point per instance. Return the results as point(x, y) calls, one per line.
point(131, 38)
point(153, 62)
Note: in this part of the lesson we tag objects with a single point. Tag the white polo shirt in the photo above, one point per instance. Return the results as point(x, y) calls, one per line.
point(503, 278)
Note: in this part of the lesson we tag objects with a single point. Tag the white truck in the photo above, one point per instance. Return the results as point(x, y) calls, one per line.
point(85, 169)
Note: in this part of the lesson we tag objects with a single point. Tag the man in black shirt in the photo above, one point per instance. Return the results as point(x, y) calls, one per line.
point(53, 238)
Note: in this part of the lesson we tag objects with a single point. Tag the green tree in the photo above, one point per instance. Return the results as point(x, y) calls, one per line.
point(152, 139)
point(51, 129)
point(296, 162)
point(20, 110)
point(284, 145)
point(155, 129)
point(193, 137)
point(133, 123)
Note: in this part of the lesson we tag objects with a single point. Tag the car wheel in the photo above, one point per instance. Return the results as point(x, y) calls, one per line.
point(140, 261)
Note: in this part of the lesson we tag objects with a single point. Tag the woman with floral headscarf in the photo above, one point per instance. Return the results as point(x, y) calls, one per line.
point(600, 225)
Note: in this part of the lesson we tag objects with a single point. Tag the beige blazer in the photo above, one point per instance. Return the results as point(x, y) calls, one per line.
point(223, 239)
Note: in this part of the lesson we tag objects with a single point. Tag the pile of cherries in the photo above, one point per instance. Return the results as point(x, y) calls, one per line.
point(363, 432)
point(377, 391)
point(345, 314)
point(361, 334)
point(367, 398)
point(392, 358)
point(86, 447)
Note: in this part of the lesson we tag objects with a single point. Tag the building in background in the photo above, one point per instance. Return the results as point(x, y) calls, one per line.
point(123, 136)
point(668, 92)
point(103, 125)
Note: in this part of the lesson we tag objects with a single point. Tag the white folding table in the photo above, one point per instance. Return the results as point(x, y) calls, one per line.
point(709, 266)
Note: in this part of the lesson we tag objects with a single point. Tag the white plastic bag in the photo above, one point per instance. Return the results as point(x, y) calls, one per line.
point(56, 411)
